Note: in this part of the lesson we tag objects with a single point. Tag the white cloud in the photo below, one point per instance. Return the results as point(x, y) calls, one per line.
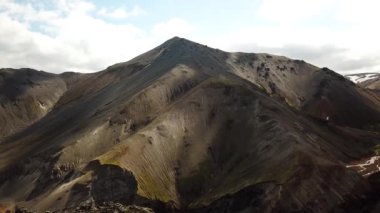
point(69, 37)
point(346, 51)
point(77, 6)
point(363, 12)
point(293, 10)
point(315, 25)
point(121, 13)
point(173, 27)
point(65, 35)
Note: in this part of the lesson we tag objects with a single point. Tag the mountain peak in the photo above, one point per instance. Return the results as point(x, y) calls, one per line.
point(179, 42)
point(177, 39)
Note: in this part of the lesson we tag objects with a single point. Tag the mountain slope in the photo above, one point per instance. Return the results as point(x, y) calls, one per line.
point(372, 82)
point(319, 92)
point(361, 77)
point(188, 127)
point(26, 95)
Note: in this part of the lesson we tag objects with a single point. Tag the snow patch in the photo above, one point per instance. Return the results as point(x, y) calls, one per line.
point(371, 161)
point(358, 78)
point(370, 166)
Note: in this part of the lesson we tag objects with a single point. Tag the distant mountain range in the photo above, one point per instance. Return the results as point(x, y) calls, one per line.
point(188, 128)
point(367, 80)
point(362, 77)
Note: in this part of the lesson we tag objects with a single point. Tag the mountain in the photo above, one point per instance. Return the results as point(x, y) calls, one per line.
point(367, 80)
point(189, 128)
point(362, 77)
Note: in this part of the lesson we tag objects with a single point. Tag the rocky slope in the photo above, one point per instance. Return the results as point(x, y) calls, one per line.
point(185, 127)
point(27, 95)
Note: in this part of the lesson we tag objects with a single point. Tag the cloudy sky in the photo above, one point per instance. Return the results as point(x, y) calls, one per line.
point(88, 36)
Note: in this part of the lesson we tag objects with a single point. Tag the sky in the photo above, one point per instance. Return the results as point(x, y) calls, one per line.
point(88, 36)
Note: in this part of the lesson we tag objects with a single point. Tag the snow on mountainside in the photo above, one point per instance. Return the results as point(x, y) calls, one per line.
point(361, 77)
